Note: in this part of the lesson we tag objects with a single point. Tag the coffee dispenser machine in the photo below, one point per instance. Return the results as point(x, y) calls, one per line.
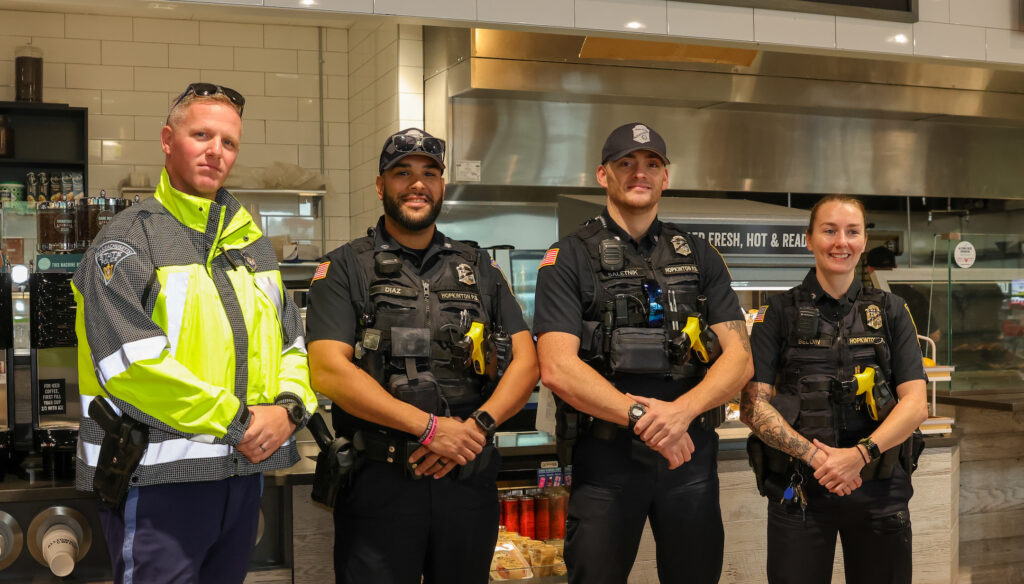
point(56, 407)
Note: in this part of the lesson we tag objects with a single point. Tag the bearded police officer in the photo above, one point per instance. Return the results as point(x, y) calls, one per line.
point(408, 333)
point(628, 309)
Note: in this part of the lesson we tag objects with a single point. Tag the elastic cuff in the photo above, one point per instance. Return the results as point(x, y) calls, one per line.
point(238, 426)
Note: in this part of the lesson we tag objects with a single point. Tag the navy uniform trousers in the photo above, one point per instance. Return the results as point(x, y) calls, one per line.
point(618, 485)
point(184, 533)
point(391, 529)
point(873, 523)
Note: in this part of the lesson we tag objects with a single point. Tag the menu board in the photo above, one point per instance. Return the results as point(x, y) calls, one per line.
point(899, 10)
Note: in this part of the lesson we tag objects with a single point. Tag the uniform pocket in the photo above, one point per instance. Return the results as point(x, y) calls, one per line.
point(639, 350)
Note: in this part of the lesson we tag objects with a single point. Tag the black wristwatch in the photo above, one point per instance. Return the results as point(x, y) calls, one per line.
point(296, 411)
point(871, 447)
point(636, 411)
point(485, 421)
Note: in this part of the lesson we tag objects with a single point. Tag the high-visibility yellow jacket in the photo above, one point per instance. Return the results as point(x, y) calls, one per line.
point(183, 321)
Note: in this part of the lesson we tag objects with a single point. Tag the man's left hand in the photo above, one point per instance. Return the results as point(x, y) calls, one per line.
point(664, 424)
point(268, 428)
point(840, 473)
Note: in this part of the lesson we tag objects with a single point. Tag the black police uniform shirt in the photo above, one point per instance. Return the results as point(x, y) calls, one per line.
point(331, 314)
point(767, 338)
point(567, 286)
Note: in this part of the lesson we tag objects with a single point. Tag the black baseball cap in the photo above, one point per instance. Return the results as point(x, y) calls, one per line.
point(630, 138)
point(408, 142)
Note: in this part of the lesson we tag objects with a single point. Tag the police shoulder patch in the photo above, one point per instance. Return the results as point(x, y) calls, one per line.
point(759, 317)
point(549, 258)
point(109, 254)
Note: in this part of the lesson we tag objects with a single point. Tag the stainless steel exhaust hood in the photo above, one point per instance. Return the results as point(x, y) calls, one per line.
point(527, 110)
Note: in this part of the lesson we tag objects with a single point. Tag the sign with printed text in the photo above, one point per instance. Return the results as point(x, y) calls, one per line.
point(753, 239)
point(898, 10)
point(52, 397)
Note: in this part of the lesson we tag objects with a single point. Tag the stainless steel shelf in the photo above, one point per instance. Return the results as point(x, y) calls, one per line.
point(253, 192)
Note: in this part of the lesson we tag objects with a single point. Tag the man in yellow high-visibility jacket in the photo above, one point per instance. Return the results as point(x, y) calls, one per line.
point(185, 328)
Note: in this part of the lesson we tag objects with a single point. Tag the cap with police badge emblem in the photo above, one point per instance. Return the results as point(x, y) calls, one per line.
point(630, 138)
point(409, 142)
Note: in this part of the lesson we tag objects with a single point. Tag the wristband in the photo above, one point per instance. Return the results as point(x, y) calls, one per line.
point(863, 456)
point(810, 458)
point(428, 435)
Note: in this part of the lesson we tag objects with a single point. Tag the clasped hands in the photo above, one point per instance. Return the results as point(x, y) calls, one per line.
point(664, 429)
point(837, 469)
point(457, 442)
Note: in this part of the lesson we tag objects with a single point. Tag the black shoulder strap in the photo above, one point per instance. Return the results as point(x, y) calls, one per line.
point(363, 248)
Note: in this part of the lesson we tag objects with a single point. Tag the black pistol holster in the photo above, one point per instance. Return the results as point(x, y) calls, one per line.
point(124, 443)
point(334, 462)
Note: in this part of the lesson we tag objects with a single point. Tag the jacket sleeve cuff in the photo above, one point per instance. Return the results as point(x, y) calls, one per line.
point(238, 426)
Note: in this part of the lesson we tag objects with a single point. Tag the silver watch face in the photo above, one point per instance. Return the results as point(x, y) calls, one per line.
point(636, 411)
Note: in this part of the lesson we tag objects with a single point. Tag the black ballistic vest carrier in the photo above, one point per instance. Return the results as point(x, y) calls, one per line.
point(815, 390)
point(616, 337)
point(408, 337)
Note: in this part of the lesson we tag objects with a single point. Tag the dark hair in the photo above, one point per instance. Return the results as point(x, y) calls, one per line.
point(835, 199)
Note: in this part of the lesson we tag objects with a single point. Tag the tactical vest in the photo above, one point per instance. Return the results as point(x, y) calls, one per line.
point(616, 336)
point(815, 390)
point(408, 337)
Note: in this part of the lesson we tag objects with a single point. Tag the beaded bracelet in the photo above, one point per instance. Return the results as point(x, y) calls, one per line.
point(428, 435)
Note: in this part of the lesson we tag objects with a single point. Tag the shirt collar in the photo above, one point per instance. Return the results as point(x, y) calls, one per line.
point(646, 242)
point(194, 212)
point(383, 241)
point(819, 295)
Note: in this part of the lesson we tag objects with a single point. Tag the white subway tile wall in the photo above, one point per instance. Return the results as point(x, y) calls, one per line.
point(127, 70)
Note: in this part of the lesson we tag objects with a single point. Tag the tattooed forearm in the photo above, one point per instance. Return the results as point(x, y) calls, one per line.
point(768, 424)
point(740, 328)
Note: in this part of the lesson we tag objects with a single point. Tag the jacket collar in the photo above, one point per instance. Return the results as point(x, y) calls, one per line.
point(194, 212)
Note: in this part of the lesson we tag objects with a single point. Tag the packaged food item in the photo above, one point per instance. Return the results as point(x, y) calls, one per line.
point(65, 186)
point(526, 516)
point(510, 512)
point(11, 191)
point(41, 192)
point(542, 519)
point(508, 563)
point(77, 185)
point(54, 194)
point(542, 560)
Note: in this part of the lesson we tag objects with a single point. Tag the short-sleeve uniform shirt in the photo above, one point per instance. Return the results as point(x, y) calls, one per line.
point(768, 336)
point(567, 284)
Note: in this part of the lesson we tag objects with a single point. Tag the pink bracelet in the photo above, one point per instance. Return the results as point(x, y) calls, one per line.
point(428, 435)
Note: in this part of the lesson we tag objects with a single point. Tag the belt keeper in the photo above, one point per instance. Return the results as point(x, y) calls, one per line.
point(428, 435)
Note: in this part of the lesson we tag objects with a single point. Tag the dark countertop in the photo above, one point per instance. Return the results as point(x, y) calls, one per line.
point(1012, 401)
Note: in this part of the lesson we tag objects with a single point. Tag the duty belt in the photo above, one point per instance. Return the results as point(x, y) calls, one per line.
point(390, 449)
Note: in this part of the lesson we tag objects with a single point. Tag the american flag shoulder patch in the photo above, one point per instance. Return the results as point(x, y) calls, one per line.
point(321, 271)
point(549, 258)
point(760, 314)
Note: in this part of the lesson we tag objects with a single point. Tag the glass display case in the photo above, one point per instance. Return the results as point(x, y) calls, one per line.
point(970, 302)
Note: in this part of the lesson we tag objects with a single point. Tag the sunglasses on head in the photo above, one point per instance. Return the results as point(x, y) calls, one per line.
point(412, 143)
point(206, 89)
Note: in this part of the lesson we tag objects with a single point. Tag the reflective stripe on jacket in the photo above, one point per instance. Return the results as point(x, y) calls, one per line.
point(183, 320)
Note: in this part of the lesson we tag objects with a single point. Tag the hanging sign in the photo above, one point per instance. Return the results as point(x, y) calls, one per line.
point(752, 239)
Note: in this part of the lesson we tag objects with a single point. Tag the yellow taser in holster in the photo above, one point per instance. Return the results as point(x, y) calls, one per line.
point(692, 330)
point(476, 338)
point(866, 385)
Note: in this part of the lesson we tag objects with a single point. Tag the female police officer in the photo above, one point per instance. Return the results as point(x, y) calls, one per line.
point(838, 390)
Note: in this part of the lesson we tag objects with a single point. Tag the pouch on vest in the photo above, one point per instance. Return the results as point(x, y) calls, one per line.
point(591, 340)
point(422, 392)
point(639, 350)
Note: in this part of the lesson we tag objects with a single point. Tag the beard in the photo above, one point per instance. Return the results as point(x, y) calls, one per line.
point(393, 209)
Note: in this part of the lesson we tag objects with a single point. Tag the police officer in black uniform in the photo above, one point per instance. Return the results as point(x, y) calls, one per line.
point(627, 310)
point(409, 333)
point(837, 393)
